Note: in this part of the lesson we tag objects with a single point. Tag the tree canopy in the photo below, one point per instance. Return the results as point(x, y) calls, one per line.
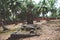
point(17, 9)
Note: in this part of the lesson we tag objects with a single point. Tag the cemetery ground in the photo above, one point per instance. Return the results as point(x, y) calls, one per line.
point(50, 30)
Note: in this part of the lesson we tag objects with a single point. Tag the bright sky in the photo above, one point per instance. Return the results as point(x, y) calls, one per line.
point(37, 1)
point(58, 4)
point(49, 13)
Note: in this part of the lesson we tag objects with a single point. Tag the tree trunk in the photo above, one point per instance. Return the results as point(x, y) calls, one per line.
point(43, 15)
point(3, 26)
point(29, 18)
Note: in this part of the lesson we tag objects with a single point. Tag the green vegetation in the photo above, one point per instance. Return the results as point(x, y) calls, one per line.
point(15, 9)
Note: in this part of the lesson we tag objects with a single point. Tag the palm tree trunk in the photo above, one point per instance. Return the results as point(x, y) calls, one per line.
point(29, 18)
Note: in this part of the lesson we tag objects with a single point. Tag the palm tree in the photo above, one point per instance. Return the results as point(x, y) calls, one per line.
point(28, 10)
point(5, 13)
point(52, 8)
point(46, 6)
point(42, 8)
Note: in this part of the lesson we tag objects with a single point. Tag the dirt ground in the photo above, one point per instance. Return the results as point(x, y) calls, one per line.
point(50, 30)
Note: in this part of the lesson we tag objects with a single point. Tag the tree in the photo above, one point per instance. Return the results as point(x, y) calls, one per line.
point(7, 8)
point(52, 8)
point(42, 8)
point(58, 12)
point(3, 12)
point(28, 10)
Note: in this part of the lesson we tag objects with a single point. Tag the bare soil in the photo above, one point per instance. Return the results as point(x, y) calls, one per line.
point(50, 30)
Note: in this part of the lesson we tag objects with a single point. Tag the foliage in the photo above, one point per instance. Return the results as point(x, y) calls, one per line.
point(17, 9)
